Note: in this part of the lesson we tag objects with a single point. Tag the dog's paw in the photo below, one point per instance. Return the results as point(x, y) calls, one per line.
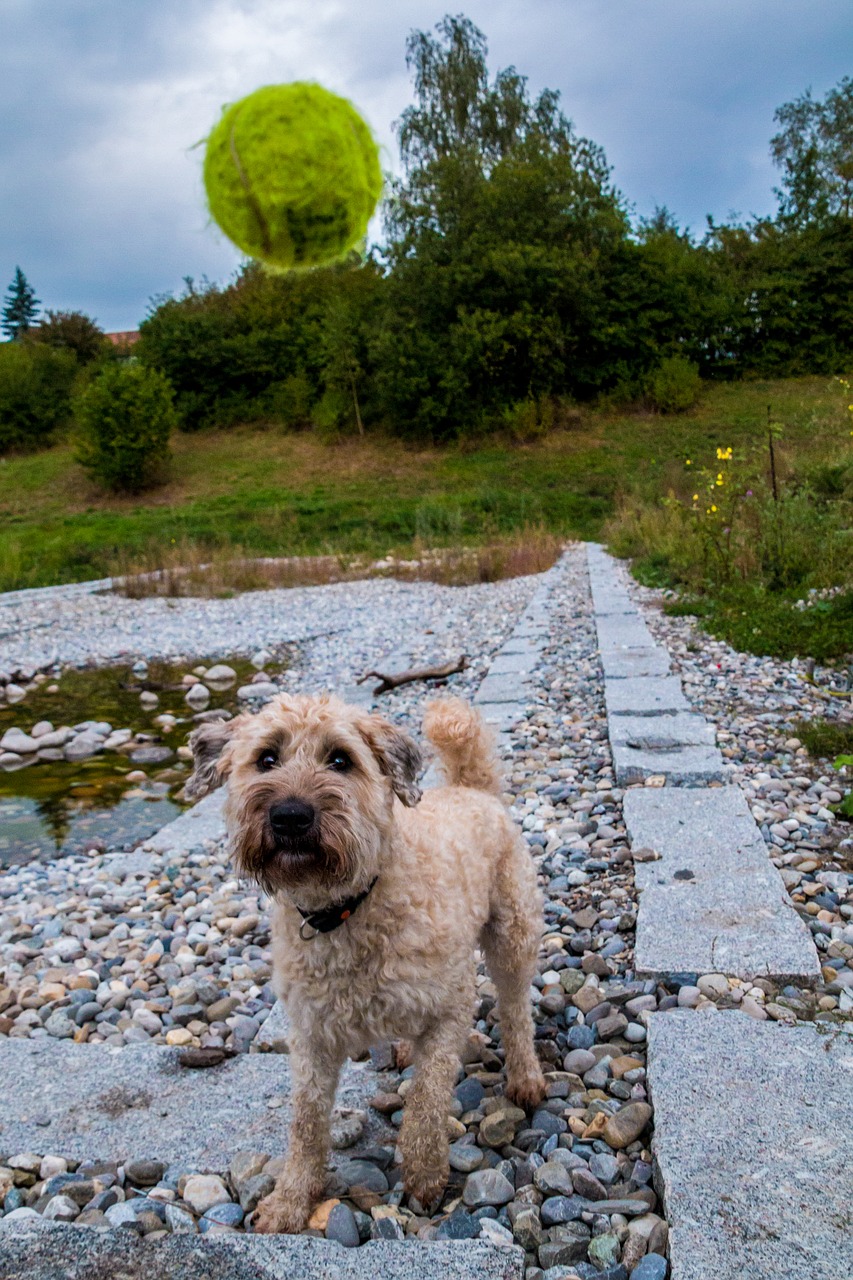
point(286, 1215)
point(426, 1186)
point(527, 1091)
point(404, 1054)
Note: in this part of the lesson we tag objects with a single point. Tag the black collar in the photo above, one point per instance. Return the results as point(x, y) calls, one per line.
point(331, 917)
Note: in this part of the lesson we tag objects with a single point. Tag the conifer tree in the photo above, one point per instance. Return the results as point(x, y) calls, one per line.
point(20, 306)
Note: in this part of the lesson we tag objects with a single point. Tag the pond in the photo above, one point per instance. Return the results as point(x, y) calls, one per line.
point(106, 765)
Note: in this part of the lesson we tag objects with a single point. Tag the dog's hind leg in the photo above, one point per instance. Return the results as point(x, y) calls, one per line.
point(302, 1182)
point(423, 1133)
point(510, 942)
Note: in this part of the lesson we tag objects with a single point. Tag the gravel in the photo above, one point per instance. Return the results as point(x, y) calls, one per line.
point(177, 950)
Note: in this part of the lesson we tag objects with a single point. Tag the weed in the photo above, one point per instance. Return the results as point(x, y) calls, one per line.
point(825, 739)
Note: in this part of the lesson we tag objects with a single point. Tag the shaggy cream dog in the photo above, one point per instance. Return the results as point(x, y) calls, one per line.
point(379, 898)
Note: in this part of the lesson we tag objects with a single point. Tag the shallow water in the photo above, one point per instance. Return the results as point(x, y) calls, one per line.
point(52, 808)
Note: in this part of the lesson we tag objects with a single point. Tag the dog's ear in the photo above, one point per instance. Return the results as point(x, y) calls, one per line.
point(399, 757)
point(210, 766)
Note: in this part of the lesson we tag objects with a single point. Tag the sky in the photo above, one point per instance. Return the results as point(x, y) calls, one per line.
point(103, 101)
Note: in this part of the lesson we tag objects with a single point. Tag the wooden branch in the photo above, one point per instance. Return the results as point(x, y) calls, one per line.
point(419, 673)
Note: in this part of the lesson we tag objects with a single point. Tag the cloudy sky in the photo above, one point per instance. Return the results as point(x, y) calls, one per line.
point(102, 101)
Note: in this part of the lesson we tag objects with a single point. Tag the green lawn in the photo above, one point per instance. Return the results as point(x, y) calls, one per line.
point(272, 493)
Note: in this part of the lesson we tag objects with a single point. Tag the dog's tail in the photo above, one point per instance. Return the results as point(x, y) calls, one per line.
point(464, 743)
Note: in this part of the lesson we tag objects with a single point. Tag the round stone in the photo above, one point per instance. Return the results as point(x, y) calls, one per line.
point(487, 1186)
point(204, 1190)
point(342, 1227)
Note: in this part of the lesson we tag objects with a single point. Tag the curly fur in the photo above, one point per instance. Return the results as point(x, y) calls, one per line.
point(453, 875)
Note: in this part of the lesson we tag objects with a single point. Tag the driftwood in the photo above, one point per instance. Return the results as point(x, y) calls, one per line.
point(418, 673)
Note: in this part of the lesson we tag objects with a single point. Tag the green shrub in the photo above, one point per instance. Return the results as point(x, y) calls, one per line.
point(35, 394)
point(675, 385)
point(289, 400)
point(825, 739)
point(125, 417)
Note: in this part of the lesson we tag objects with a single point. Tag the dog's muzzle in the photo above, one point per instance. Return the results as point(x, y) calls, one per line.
point(291, 820)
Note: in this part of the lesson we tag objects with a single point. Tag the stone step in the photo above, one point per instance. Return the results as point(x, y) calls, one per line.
point(644, 696)
point(713, 902)
point(90, 1101)
point(44, 1250)
point(752, 1146)
point(679, 747)
point(628, 664)
point(623, 632)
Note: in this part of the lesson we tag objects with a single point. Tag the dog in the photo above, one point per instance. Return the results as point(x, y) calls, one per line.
point(379, 896)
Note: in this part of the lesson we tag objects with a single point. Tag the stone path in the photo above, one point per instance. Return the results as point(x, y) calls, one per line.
point(752, 1146)
point(752, 1119)
point(711, 901)
point(39, 1250)
point(93, 1102)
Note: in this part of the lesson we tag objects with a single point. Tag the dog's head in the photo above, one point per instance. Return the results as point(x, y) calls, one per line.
point(311, 785)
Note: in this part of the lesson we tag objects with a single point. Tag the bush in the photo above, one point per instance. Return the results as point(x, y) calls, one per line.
point(70, 331)
point(125, 417)
point(675, 385)
point(35, 394)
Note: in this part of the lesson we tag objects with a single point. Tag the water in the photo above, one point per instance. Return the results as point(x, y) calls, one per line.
point(52, 808)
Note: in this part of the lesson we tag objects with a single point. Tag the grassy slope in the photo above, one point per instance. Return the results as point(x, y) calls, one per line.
point(272, 493)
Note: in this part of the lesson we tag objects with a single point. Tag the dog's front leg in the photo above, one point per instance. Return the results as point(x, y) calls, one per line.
point(423, 1133)
point(315, 1071)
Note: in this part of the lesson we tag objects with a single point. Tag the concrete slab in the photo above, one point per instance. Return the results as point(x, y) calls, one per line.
point(663, 732)
point(274, 1032)
point(653, 661)
point(644, 696)
point(501, 715)
point(688, 766)
point(203, 822)
point(521, 644)
point(621, 633)
point(610, 602)
point(500, 688)
point(513, 664)
point(358, 695)
point(44, 1250)
point(713, 902)
point(138, 1101)
point(752, 1146)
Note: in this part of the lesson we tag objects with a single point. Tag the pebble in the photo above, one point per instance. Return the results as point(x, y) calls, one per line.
point(487, 1186)
point(562, 792)
point(342, 1226)
point(202, 1191)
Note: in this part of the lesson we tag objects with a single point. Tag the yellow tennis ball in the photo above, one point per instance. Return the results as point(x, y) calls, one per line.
point(292, 175)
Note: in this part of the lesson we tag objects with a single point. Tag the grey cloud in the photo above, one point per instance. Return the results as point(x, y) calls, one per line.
point(101, 101)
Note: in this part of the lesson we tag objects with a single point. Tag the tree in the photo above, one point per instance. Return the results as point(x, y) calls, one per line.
point(500, 235)
point(21, 306)
point(70, 331)
point(814, 150)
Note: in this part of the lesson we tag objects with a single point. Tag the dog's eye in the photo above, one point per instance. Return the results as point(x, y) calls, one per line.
point(339, 761)
point(267, 760)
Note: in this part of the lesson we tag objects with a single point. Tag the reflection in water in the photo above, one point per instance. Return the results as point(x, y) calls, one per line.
point(58, 806)
point(41, 828)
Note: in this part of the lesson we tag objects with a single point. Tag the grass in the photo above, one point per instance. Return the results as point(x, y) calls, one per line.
point(755, 620)
point(247, 493)
point(825, 739)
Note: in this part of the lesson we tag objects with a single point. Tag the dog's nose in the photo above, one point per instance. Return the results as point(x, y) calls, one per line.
point(291, 818)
